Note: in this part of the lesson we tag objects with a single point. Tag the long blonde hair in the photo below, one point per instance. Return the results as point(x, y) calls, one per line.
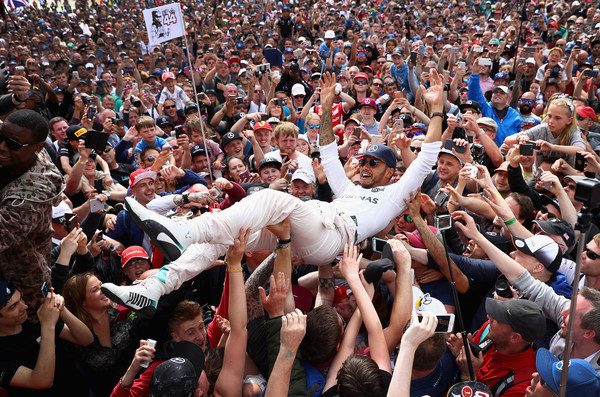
point(567, 103)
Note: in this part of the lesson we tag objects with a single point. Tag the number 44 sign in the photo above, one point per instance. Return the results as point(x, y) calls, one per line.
point(164, 23)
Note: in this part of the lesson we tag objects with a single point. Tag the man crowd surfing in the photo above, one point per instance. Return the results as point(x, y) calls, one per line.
point(320, 198)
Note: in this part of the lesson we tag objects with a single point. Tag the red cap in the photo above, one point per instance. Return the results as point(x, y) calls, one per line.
point(340, 293)
point(368, 102)
point(586, 112)
point(140, 174)
point(262, 125)
point(133, 252)
point(361, 75)
point(168, 75)
point(233, 59)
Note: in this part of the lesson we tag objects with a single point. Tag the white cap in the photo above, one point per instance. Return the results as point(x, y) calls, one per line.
point(242, 71)
point(330, 34)
point(532, 60)
point(89, 65)
point(61, 209)
point(298, 89)
point(501, 87)
point(303, 175)
point(425, 303)
point(303, 137)
point(301, 39)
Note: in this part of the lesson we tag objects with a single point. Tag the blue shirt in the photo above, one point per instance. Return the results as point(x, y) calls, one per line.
point(158, 144)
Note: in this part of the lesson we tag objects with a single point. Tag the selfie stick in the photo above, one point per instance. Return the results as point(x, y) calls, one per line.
point(187, 47)
point(461, 324)
point(583, 224)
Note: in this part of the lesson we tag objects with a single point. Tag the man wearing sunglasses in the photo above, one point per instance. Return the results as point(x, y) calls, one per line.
point(320, 230)
point(29, 184)
point(526, 105)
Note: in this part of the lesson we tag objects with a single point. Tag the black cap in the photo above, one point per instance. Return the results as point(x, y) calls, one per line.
point(524, 317)
point(266, 162)
point(163, 121)
point(558, 227)
point(470, 104)
point(75, 132)
point(229, 137)
point(382, 153)
point(198, 150)
point(500, 241)
point(190, 107)
point(175, 377)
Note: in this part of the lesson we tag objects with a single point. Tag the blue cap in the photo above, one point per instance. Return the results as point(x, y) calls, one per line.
point(501, 75)
point(382, 153)
point(6, 292)
point(582, 379)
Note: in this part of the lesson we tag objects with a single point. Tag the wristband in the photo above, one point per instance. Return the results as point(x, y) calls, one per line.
point(122, 385)
point(281, 244)
point(15, 100)
point(437, 114)
point(511, 221)
point(237, 269)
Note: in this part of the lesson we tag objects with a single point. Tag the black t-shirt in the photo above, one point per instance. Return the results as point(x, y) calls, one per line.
point(285, 27)
point(121, 174)
point(22, 350)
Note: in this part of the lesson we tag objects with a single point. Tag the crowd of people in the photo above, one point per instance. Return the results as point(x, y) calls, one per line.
point(301, 198)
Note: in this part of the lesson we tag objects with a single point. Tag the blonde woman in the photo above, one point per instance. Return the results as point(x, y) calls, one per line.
point(558, 134)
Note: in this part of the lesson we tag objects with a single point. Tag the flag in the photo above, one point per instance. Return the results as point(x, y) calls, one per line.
point(16, 3)
point(163, 23)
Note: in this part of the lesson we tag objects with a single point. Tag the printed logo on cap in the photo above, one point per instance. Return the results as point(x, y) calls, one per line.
point(230, 135)
point(373, 148)
point(177, 360)
point(519, 243)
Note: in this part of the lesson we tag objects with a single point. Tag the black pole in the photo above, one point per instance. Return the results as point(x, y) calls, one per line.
point(461, 324)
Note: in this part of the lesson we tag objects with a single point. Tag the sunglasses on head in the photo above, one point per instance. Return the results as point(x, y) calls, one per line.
point(371, 161)
point(13, 145)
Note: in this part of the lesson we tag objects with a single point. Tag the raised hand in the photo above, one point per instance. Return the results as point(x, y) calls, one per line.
point(350, 263)
point(435, 94)
point(274, 303)
point(418, 332)
point(293, 328)
point(328, 89)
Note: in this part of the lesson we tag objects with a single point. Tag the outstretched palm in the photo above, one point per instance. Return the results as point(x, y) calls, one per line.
point(328, 89)
point(435, 94)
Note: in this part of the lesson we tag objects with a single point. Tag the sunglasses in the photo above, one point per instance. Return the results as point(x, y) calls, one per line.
point(13, 145)
point(361, 82)
point(579, 118)
point(315, 126)
point(299, 96)
point(150, 159)
point(570, 186)
point(107, 149)
point(377, 84)
point(372, 162)
point(381, 62)
point(174, 147)
point(170, 107)
point(527, 101)
point(591, 254)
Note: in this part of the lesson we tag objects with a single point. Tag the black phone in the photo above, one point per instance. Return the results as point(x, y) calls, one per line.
point(316, 155)
point(45, 289)
point(357, 131)
point(413, 57)
point(96, 140)
point(460, 149)
point(244, 175)
point(264, 117)
point(179, 131)
point(91, 112)
point(580, 162)
point(449, 144)
point(526, 149)
point(239, 100)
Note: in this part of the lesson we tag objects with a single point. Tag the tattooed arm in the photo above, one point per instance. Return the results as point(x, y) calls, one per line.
point(326, 135)
point(258, 278)
point(326, 287)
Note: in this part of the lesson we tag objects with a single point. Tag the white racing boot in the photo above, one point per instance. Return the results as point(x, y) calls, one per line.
point(170, 236)
point(142, 297)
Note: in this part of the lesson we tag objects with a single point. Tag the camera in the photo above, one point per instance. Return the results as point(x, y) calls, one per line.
point(502, 287)
point(441, 198)
point(555, 72)
point(587, 191)
point(135, 101)
point(477, 150)
point(442, 222)
point(280, 102)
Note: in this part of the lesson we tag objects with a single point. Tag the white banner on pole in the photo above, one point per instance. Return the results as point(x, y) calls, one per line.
point(164, 23)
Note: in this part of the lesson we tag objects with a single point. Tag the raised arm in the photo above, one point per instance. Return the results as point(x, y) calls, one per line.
point(327, 94)
point(229, 382)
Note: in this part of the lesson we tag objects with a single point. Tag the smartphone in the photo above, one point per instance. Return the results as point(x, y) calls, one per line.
point(316, 155)
point(357, 132)
point(244, 175)
point(377, 244)
point(96, 205)
point(280, 102)
point(485, 62)
point(75, 74)
point(399, 122)
point(179, 131)
point(474, 170)
point(45, 289)
point(441, 198)
point(239, 100)
point(96, 140)
point(477, 48)
point(91, 112)
point(580, 162)
point(526, 149)
point(482, 347)
point(461, 64)
point(449, 144)
point(529, 50)
point(460, 149)
point(215, 192)
point(413, 57)
point(264, 117)
point(232, 98)
point(70, 222)
point(445, 322)
point(442, 222)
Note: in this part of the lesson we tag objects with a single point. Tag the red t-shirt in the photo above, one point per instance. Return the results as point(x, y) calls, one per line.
point(508, 372)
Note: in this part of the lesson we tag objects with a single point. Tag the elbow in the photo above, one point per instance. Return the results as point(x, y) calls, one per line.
point(40, 384)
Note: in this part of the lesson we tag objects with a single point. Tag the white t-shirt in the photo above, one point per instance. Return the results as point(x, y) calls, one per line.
point(179, 96)
point(374, 208)
point(304, 162)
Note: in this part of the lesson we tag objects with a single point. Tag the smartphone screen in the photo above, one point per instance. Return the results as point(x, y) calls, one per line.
point(378, 244)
